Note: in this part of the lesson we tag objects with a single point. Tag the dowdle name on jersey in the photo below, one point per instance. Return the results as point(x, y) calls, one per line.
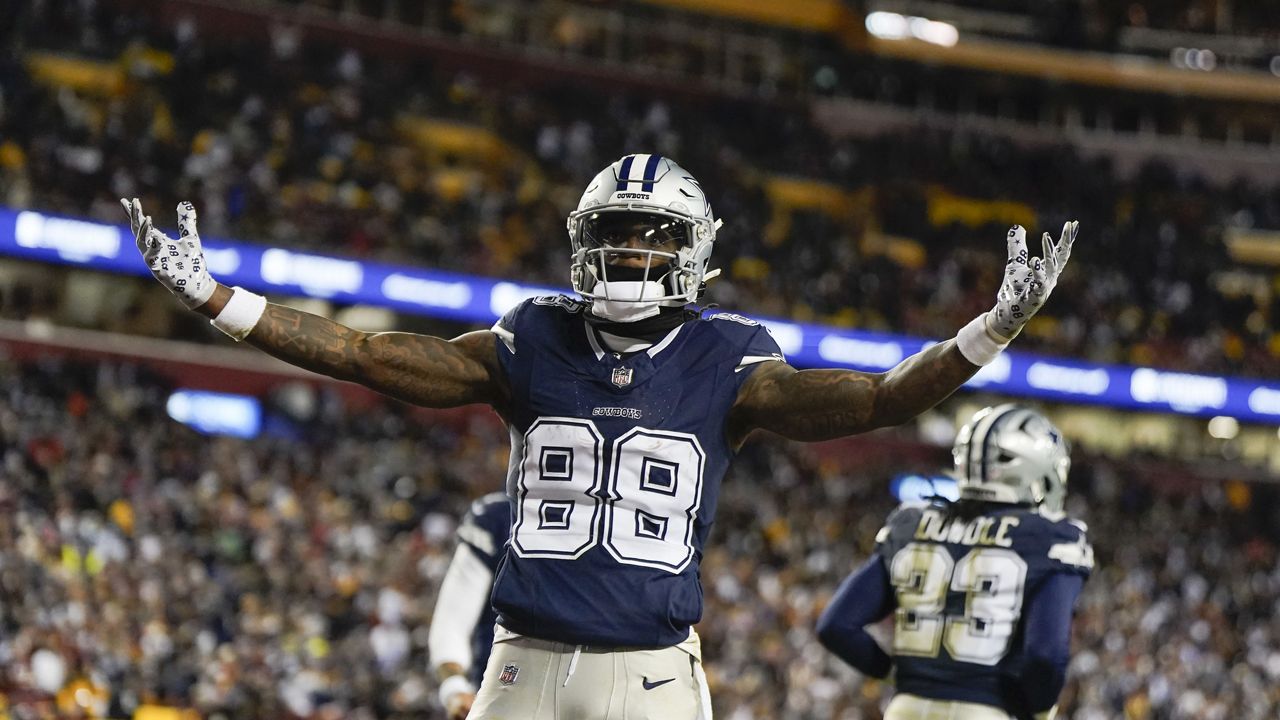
point(983, 530)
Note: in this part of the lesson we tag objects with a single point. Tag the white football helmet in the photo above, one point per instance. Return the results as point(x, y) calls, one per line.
point(1012, 454)
point(652, 198)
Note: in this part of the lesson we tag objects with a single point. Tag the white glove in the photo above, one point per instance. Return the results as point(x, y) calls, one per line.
point(1028, 281)
point(178, 264)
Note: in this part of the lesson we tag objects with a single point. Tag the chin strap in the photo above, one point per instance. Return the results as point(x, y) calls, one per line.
point(651, 329)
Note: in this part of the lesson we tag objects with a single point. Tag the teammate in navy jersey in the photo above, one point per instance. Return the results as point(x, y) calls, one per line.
point(461, 631)
point(981, 590)
point(624, 406)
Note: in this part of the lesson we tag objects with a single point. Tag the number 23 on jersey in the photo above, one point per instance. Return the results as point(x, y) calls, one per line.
point(991, 581)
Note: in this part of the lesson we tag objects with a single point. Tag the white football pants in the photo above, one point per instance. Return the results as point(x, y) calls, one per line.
point(531, 679)
point(914, 707)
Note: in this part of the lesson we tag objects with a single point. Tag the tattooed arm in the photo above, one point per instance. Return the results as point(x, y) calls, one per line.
point(825, 404)
point(419, 369)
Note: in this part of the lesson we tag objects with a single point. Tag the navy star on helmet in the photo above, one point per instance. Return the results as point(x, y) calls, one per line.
point(661, 198)
point(1012, 454)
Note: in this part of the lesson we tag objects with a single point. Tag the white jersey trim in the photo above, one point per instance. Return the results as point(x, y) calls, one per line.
point(749, 360)
point(507, 337)
point(595, 342)
point(664, 342)
point(1078, 553)
point(477, 536)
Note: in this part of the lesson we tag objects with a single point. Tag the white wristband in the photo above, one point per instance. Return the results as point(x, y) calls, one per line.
point(977, 343)
point(453, 685)
point(240, 314)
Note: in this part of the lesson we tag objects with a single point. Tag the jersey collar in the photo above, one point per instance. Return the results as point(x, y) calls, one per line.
point(594, 338)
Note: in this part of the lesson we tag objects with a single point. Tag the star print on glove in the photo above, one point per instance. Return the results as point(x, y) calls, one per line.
point(1028, 281)
point(179, 264)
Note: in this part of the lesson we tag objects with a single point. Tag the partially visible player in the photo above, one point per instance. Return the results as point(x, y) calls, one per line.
point(461, 632)
point(981, 589)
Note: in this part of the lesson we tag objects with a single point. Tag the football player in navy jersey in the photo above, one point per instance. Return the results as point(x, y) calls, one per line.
point(461, 631)
point(624, 407)
point(982, 590)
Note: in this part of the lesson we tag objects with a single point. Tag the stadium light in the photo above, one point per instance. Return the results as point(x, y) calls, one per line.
point(1193, 59)
point(893, 26)
point(888, 26)
point(216, 413)
point(914, 488)
point(1223, 427)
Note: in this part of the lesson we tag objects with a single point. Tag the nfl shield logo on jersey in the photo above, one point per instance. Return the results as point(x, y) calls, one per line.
point(622, 377)
point(509, 674)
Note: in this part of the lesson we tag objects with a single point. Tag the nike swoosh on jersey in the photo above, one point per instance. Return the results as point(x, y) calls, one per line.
point(651, 685)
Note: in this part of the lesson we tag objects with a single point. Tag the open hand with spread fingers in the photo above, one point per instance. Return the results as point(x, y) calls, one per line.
point(1028, 281)
point(178, 264)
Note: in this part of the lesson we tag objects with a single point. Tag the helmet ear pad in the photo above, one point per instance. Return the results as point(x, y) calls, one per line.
point(698, 259)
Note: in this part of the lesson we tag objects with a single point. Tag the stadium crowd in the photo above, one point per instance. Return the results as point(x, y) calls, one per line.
point(301, 145)
point(293, 575)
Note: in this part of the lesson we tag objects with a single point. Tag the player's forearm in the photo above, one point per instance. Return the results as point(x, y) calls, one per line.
point(312, 342)
point(813, 405)
point(1047, 640)
point(216, 302)
point(863, 598)
point(300, 338)
point(920, 382)
point(425, 370)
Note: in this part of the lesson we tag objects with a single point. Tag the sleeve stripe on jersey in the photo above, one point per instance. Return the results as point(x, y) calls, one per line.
point(1079, 553)
point(474, 535)
point(749, 360)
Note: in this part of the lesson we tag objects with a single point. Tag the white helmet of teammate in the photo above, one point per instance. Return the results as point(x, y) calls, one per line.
point(650, 207)
point(1012, 454)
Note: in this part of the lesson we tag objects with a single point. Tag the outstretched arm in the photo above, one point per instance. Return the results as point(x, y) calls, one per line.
point(420, 369)
point(826, 404)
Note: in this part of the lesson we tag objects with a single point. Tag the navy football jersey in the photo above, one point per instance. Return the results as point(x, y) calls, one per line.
point(616, 462)
point(485, 530)
point(960, 586)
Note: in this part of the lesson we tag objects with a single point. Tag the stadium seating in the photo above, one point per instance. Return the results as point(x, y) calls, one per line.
point(346, 162)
